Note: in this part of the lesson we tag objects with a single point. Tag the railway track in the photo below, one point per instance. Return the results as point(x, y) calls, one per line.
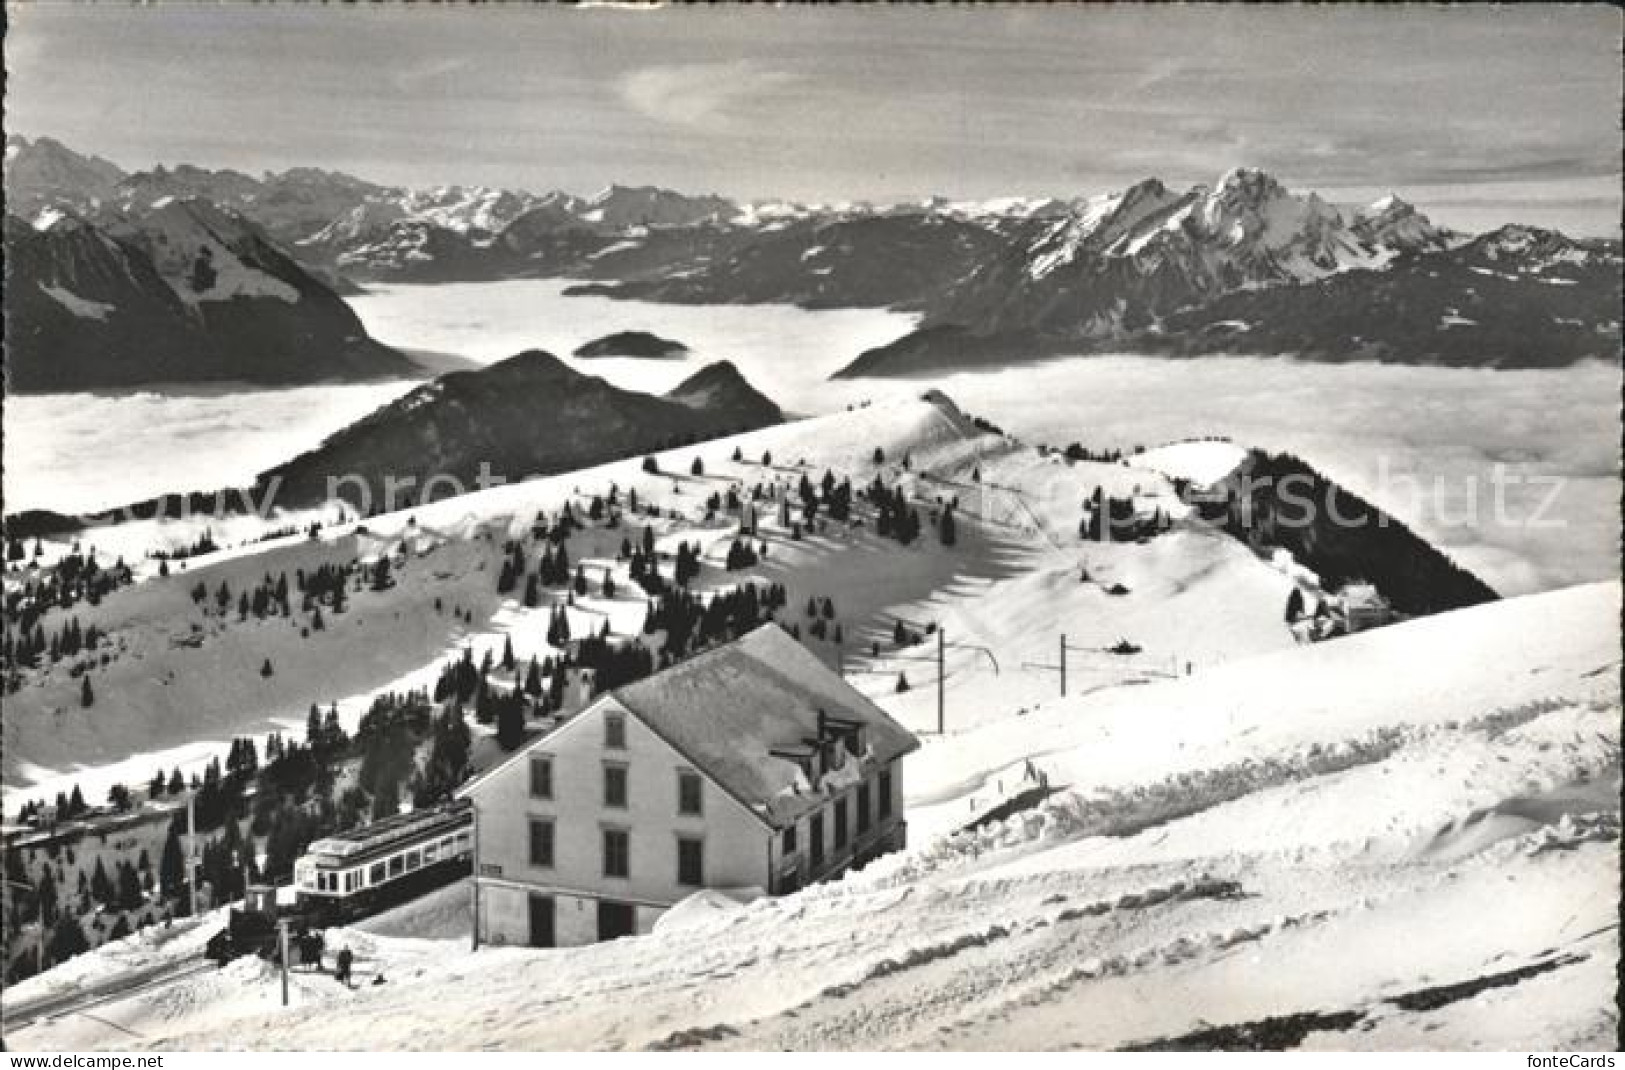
point(113, 989)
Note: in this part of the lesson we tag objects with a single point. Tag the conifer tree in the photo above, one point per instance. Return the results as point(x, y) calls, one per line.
point(172, 864)
point(510, 722)
point(67, 939)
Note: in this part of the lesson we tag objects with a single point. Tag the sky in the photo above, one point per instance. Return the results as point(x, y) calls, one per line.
point(1482, 115)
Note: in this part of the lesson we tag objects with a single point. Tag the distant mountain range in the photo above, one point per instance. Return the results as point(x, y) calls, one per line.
point(1242, 266)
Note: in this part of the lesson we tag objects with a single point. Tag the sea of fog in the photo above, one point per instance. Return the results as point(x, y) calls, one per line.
point(78, 453)
point(1516, 474)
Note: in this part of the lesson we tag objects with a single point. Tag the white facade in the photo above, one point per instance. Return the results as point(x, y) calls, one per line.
point(597, 828)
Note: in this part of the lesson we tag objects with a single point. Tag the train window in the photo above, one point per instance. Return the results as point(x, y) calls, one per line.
point(431, 851)
point(397, 865)
point(414, 859)
point(375, 875)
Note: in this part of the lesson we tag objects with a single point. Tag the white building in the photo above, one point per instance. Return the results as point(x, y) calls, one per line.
point(751, 766)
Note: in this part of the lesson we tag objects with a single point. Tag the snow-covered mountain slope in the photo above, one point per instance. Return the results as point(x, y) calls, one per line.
point(620, 207)
point(1019, 574)
point(83, 310)
point(1406, 838)
point(1516, 297)
point(91, 310)
point(884, 260)
point(1393, 223)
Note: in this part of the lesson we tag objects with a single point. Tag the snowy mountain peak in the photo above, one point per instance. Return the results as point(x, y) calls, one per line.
point(653, 206)
point(1250, 183)
point(1395, 223)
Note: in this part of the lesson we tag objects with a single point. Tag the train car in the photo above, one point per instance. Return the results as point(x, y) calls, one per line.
point(365, 869)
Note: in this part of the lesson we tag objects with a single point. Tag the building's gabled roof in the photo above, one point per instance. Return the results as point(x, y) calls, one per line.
point(741, 712)
point(730, 709)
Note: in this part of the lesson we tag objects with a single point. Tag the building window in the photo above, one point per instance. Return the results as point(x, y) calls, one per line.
point(541, 842)
point(617, 853)
point(863, 808)
point(840, 823)
point(688, 793)
point(885, 794)
point(790, 840)
point(614, 731)
point(541, 777)
point(815, 837)
point(690, 861)
point(615, 786)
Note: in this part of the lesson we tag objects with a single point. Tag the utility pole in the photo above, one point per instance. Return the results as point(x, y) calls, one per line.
point(191, 847)
point(474, 880)
point(942, 677)
point(1060, 665)
point(940, 657)
point(282, 945)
